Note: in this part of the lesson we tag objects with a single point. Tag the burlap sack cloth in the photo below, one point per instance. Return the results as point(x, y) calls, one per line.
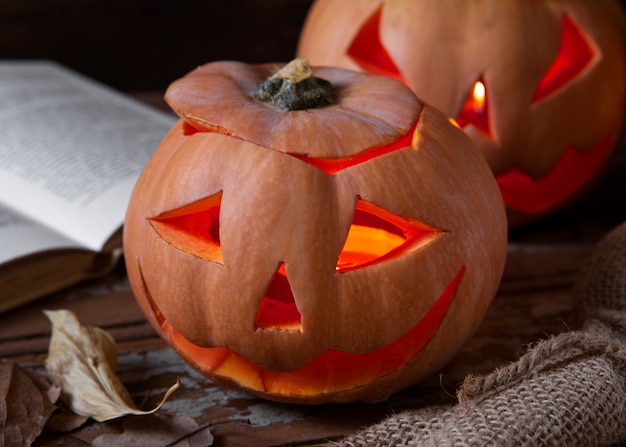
point(568, 390)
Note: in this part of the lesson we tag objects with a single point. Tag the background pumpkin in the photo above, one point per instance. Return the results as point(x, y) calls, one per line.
point(328, 254)
point(550, 77)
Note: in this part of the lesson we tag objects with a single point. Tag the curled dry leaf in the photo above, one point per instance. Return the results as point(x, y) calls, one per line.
point(82, 360)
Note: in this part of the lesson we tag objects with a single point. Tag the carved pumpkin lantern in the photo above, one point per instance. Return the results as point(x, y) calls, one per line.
point(313, 238)
point(537, 85)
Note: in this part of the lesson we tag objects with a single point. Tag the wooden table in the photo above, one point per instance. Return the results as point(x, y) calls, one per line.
point(534, 300)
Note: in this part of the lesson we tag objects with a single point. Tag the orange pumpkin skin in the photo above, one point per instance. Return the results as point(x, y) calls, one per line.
point(281, 192)
point(554, 76)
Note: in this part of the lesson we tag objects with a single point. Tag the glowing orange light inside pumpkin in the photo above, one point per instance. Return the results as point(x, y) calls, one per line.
point(475, 109)
point(377, 235)
point(278, 309)
point(478, 94)
point(193, 228)
point(365, 244)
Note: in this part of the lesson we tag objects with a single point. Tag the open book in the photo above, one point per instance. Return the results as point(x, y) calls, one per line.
point(70, 153)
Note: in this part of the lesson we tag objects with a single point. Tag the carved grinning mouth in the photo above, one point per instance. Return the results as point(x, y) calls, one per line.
point(332, 371)
point(570, 174)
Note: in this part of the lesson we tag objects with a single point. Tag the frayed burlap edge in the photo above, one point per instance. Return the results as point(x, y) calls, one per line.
point(567, 390)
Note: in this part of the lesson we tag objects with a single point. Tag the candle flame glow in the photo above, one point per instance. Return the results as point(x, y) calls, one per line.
point(474, 110)
point(479, 95)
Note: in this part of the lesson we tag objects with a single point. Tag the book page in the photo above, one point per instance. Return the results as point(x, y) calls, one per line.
point(20, 236)
point(71, 150)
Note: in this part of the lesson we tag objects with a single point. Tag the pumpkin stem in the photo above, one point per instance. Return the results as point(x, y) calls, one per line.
point(294, 87)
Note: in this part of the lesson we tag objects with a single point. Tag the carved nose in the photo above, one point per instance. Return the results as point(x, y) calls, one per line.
point(278, 308)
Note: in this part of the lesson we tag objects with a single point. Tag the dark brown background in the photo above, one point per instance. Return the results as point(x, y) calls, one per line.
point(146, 44)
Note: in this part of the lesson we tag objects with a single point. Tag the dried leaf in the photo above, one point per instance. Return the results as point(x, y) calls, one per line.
point(65, 420)
point(82, 360)
point(158, 430)
point(24, 408)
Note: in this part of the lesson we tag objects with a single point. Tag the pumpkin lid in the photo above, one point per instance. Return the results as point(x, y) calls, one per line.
point(366, 110)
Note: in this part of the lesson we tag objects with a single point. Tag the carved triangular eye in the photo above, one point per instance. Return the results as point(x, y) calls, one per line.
point(377, 235)
point(278, 308)
point(575, 54)
point(193, 228)
point(368, 51)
